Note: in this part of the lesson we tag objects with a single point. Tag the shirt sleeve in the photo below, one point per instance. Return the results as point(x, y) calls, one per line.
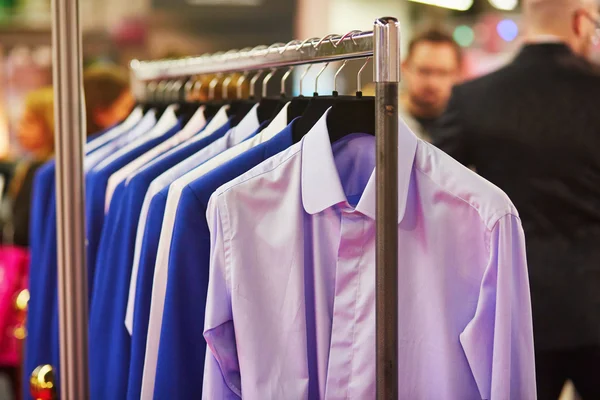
point(222, 379)
point(450, 134)
point(498, 341)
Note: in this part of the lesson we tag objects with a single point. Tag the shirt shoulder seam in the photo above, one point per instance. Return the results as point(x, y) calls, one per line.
point(493, 219)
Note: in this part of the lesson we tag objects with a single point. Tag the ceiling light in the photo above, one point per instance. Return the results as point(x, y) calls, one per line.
point(460, 5)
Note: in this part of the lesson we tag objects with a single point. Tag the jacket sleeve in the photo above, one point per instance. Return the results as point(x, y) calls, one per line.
point(498, 341)
point(450, 134)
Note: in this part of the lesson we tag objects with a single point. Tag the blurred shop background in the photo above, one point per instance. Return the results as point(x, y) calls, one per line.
point(117, 31)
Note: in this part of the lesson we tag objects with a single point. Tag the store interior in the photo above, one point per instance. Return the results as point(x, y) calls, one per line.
point(116, 32)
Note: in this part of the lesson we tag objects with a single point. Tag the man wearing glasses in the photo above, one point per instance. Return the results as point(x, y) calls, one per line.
point(533, 129)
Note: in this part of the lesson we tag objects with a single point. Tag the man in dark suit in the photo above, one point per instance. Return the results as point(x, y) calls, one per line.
point(533, 129)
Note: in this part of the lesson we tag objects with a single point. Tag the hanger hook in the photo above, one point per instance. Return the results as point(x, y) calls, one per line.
point(258, 48)
point(175, 90)
point(151, 91)
point(336, 76)
point(303, 76)
point(318, 45)
point(169, 89)
point(288, 44)
point(359, 78)
point(279, 45)
point(161, 90)
point(316, 93)
point(211, 86)
point(284, 79)
point(253, 83)
point(336, 44)
point(187, 89)
point(240, 82)
point(301, 45)
point(168, 97)
point(225, 87)
point(266, 81)
point(197, 88)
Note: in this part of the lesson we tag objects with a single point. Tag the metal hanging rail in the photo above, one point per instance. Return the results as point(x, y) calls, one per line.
point(311, 51)
point(383, 44)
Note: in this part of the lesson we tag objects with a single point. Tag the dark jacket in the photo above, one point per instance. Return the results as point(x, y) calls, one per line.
point(533, 129)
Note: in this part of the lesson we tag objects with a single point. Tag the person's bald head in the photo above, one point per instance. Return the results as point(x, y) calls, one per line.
point(570, 20)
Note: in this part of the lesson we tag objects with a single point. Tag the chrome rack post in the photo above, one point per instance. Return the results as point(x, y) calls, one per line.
point(386, 49)
point(70, 221)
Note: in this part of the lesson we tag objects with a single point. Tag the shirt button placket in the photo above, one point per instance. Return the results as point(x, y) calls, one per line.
point(344, 309)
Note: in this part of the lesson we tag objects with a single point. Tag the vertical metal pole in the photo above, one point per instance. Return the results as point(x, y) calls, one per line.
point(69, 138)
point(386, 50)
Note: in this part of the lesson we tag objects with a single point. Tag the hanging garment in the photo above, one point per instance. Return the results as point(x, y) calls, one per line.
point(110, 355)
point(94, 158)
point(153, 332)
point(42, 320)
point(14, 269)
point(145, 254)
point(42, 308)
point(192, 128)
point(181, 355)
point(290, 312)
point(191, 157)
point(99, 140)
point(97, 179)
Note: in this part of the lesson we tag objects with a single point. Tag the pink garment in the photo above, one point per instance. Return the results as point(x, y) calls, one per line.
point(14, 271)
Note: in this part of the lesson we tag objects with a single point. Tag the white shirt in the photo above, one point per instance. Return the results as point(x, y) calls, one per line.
point(195, 124)
point(145, 124)
point(290, 310)
point(215, 123)
point(281, 119)
point(133, 118)
point(243, 130)
point(167, 121)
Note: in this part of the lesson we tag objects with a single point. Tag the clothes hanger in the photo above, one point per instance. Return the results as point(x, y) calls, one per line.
point(150, 101)
point(281, 119)
point(184, 111)
point(299, 104)
point(268, 107)
point(247, 105)
point(282, 100)
point(348, 114)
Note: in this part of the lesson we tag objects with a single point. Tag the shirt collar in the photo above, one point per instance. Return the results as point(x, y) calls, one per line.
point(321, 186)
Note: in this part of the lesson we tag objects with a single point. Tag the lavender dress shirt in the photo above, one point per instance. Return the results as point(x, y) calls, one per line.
point(290, 309)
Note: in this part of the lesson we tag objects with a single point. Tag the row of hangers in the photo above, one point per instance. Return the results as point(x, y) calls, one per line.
point(349, 113)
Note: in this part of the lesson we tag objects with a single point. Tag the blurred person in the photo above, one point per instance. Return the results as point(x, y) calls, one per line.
point(35, 133)
point(432, 66)
point(533, 129)
point(108, 98)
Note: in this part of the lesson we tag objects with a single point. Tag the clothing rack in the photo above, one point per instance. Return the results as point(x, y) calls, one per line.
point(383, 44)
